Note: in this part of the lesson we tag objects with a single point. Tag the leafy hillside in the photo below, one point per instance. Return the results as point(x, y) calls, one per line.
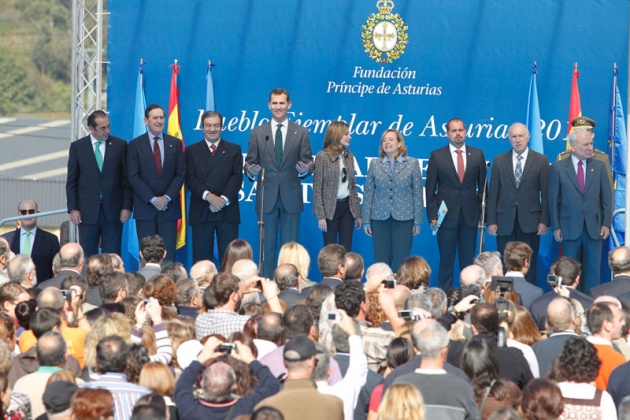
point(35, 64)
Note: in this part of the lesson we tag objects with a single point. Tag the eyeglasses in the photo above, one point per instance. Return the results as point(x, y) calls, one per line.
point(24, 212)
point(344, 175)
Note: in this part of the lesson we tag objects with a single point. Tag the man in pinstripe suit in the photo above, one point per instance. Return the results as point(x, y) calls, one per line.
point(283, 149)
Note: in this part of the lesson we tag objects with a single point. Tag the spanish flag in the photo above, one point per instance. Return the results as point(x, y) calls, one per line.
point(575, 109)
point(174, 129)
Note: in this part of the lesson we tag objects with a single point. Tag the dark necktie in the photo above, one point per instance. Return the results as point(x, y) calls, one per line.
point(278, 145)
point(213, 148)
point(460, 166)
point(157, 156)
point(518, 172)
point(580, 175)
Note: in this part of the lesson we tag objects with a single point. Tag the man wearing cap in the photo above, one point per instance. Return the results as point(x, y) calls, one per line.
point(580, 202)
point(57, 399)
point(299, 397)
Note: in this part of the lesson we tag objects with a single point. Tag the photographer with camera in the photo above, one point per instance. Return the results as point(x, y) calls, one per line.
point(218, 383)
point(564, 277)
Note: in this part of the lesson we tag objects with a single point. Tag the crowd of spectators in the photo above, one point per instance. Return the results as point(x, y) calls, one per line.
point(96, 342)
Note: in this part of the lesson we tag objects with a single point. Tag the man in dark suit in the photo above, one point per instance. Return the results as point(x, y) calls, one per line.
point(517, 196)
point(283, 150)
point(157, 169)
point(619, 263)
point(30, 240)
point(286, 277)
point(98, 195)
point(331, 262)
point(569, 270)
point(561, 323)
point(580, 202)
point(516, 257)
point(214, 173)
point(456, 175)
point(71, 259)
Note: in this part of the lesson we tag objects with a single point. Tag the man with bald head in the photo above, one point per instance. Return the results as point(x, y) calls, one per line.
point(561, 323)
point(517, 197)
point(619, 263)
point(30, 240)
point(71, 260)
point(471, 278)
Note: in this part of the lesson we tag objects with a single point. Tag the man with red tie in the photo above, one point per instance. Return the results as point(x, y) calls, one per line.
point(156, 174)
point(456, 175)
point(580, 202)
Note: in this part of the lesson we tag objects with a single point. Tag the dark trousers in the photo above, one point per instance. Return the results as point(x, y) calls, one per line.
point(167, 229)
point(589, 251)
point(278, 222)
point(461, 239)
point(392, 240)
point(203, 240)
point(100, 235)
point(531, 239)
point(339, 229)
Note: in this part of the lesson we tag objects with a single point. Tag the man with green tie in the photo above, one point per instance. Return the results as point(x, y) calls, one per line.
point(99, 197)
point(30, 240)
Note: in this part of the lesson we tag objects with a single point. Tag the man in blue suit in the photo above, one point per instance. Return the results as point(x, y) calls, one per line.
point(97, 191)
point(157, 169)
point(580, 202)
point(214, 173)
point(517, 196)
point(456, 175)
point(283, 149)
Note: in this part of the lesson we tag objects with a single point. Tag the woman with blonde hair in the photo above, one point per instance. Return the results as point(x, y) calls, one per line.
point(401, 401)
point(393, 201)
point(112, 324)
point(335, 199)
point(160, 379)
point(296, 254)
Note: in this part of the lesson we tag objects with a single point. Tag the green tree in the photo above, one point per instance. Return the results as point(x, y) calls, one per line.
point(16, 91)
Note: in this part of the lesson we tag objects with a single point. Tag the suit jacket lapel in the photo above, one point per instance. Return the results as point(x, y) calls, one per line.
point(570, 171)
point(449, 162)
point(289, 142)
point(529, 162)
point(589, 173)
point(36, 242)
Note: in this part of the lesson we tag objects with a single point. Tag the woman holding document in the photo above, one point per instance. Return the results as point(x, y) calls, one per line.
point(393, 201)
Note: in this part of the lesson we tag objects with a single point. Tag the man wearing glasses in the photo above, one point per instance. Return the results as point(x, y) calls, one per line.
point(30, 240)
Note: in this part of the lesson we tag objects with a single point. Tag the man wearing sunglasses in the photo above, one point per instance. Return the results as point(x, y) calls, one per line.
point(30, 240)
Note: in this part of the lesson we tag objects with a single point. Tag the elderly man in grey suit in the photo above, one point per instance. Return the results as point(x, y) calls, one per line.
point(580, 202)
point(282, 149)
point(517, 196)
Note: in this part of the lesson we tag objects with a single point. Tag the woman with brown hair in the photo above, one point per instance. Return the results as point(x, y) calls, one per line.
point(238, 249)
point(92, 404)
point(524, 329)
point(335, 198)
point(414, 273)
point(542, 400)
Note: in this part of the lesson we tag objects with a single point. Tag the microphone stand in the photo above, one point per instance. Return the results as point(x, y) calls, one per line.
point(482, 220)
point(261, 223)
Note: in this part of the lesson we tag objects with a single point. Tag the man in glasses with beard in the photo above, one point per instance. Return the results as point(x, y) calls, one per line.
point(35, 242)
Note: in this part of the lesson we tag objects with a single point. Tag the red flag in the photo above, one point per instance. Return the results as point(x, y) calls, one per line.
point(175, 130)
point(575, 109)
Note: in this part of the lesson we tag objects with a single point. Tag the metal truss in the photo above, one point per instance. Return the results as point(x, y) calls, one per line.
point(87, 62)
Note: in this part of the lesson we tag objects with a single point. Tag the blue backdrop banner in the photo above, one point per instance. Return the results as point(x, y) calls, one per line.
point(406, 64)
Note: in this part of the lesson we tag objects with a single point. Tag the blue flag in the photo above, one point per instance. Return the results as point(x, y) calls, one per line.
point(617, 152)
point(209, 88)
point(139, 128)
point(536, 144)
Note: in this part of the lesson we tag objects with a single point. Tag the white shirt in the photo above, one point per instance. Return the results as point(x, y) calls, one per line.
point(349, 387)
point(284, 129)
point(529, 355)
point(453, 151)
point(586, 391)
point(101, 147)
point(515, 159)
